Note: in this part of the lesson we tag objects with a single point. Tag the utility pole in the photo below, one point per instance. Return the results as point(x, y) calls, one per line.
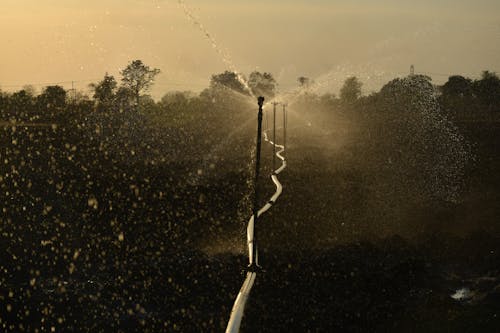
point(284, 125)
point(267, 121)
point(274, 135)
point(73, 92)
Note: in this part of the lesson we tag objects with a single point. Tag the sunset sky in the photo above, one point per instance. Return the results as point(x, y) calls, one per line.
point(46, 41)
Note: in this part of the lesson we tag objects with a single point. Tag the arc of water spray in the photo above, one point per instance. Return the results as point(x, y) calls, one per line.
point(335, 76)
point(226, 58)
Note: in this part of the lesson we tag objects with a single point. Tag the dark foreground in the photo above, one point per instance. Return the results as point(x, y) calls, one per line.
point(96, 238)
point(387, 286)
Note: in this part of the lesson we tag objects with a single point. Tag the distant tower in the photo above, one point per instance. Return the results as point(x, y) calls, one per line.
point(412, 70)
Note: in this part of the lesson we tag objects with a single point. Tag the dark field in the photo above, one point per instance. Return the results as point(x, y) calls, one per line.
point(132, 225)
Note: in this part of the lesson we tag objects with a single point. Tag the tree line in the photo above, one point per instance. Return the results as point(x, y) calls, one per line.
point(459, 97)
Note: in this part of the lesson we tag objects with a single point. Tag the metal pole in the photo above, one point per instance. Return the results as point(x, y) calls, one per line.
point(253, 265)
point(73, 93)
point(284, 125)
point(267, 121)
point(274, 135)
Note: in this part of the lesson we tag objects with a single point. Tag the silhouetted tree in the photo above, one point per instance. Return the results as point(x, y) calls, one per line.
point(4, 106)
point(457, 95)
point(51, 103)
point(262, 84)
point(53, 97)
point(21, 105)
point(124, 98)
point(405, 94)
point(228, 80)
point(138, 77)
point(457, 86)
point(487, 90)
point(104, 92)
point(30, 90)
point(351, 90)
point(148, 106)
point(175, 101)
point(304, 82)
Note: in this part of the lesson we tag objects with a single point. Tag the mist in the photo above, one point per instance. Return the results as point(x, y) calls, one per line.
point(233, 166)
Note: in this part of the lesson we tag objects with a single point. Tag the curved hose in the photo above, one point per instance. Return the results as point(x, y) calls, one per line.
point(234, 323)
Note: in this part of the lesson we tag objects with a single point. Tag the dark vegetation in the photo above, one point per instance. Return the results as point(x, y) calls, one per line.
point(121, 213)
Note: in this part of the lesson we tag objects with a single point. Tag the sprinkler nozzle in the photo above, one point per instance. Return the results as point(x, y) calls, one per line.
point(260, 100)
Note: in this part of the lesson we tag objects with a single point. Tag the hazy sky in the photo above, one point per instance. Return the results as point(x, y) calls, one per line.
point(45, 41)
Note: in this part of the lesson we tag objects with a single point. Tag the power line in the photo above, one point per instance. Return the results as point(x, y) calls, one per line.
point(47, 83)
point(94, 80)
point(191, 84)
point(450, 74)
point(180, 84)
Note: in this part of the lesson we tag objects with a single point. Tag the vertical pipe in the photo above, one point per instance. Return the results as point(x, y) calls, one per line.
point(267, 121)
point(256, 193)
point(73, 92)
point(284, 126)
point(274, 136)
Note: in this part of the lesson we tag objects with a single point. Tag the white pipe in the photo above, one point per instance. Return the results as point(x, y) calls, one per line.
point(239, 304)
point(233, 326)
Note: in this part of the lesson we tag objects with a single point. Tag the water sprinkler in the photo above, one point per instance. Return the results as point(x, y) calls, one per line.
point(254, 257)
point(260, 101)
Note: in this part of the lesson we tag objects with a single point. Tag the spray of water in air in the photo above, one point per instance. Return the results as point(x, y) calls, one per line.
point(226, 58)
